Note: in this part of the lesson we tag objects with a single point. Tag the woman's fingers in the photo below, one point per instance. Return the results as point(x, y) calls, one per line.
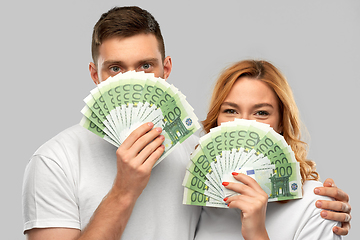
point(248, 183)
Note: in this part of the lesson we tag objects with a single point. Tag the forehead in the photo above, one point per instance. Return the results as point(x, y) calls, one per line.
point(128, 49)
point(251, 91)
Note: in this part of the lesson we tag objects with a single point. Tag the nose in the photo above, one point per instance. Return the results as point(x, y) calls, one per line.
point(245, 116)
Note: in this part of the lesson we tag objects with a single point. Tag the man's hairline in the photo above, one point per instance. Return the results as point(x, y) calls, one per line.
point(123, 37)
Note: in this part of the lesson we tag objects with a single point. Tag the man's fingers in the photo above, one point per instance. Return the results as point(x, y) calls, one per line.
point(147, 151)
point(336, 206)
point(154, 157)
point(333, 192)
point(146, 140)
point(329, 182)
point(344, 230)
point(336, 216)
point(136, 134)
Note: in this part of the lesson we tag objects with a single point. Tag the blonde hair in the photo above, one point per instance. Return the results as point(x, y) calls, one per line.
point(289, 114)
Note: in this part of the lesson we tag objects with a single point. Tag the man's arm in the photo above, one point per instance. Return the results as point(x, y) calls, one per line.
point(52, 233)
point(135, 159)
point(338, 210)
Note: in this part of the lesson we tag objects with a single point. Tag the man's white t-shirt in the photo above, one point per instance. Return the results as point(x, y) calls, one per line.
point(67, 178)
point(296, 219)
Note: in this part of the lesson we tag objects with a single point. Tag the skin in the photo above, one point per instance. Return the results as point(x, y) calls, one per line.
point(136, 53)
point(339, 209)
point(139, 53)
point(138, 153)
point(254, 100)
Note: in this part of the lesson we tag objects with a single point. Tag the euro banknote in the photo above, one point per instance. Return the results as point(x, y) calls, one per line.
point(119, 105)
point(243, 146)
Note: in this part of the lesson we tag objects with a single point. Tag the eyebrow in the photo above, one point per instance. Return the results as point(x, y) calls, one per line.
point(122, 63)
point(231, 104)
point(259, 105)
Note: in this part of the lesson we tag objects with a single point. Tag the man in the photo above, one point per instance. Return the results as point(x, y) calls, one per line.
point(76, 187)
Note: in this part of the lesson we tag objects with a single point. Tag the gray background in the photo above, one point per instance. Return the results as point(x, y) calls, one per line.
point(45, 51)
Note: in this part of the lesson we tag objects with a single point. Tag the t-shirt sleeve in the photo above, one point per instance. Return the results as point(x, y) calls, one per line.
point(317, 228)
point(49, 195)
point(312, 225)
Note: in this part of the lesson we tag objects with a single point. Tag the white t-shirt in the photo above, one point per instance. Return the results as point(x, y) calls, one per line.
point(296, 219)
point(67, 178)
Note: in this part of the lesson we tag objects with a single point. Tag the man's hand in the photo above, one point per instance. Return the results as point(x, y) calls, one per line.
point(338, 210)
point(135, 158)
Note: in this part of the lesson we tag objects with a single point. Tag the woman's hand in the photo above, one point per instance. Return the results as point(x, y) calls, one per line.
point(252, 202)
point(338, 210)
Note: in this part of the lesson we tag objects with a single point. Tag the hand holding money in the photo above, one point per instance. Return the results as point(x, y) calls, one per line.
point(119, 105)
point(246, 146)
point(136, 157)
point(252, 202)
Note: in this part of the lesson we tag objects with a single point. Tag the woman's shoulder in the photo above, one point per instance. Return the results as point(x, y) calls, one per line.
point(308, 191)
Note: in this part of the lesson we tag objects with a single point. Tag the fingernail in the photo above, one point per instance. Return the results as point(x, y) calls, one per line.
point(324, 214)
point(225, 183)
point(317, 191)
point(225, 199)
point(345, 208)
point(162, 137)
point(150, 124)
point(162, 146)
point(318, 204)
point(235, 173)
point(158, 129)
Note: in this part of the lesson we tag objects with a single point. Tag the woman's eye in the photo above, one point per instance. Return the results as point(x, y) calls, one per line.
point(262, 113)
point(230, 111)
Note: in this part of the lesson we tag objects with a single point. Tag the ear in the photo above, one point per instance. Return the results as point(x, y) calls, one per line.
point(94, 73)
point(280, 129)
point(167, 67)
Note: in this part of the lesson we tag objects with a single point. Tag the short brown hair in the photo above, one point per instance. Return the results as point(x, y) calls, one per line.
point(125, 22)
point(290, 121)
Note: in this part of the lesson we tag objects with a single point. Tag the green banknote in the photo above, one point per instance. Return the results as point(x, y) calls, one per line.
point(244, 146)
point(286, 182)
point(119, 105)
point(261, 174)
point(206, 188)
point(192, 197)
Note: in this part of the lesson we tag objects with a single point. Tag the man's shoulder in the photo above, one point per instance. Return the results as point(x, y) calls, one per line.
point(74, 138)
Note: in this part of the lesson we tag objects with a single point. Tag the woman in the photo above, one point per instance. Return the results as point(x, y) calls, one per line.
point(257, 90)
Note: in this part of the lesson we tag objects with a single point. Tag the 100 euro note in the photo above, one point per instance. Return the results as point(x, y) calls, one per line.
point(119, 105)
point(242, 146)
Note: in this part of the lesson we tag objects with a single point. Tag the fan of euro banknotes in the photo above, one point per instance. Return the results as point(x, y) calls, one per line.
point(243, 146)
point(119, 105)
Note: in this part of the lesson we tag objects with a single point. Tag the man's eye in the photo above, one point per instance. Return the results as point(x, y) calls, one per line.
point(146, 66)
point(115, 69)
